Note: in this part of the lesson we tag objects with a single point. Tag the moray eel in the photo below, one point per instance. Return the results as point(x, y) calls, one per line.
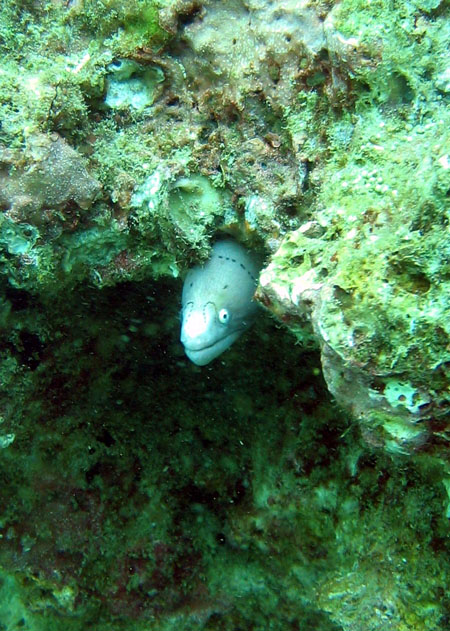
point(217, 305)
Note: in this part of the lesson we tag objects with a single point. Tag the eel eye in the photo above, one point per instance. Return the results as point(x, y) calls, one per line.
point(224, 316)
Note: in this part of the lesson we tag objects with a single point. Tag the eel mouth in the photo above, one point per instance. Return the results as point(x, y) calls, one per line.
point(202, 355)
point(196, 345)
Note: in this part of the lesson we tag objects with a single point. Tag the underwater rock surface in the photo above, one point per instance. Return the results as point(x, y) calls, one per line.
point(302, 480)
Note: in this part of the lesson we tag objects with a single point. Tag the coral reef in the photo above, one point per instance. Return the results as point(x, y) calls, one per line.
point(370, 269)
point(302, 479)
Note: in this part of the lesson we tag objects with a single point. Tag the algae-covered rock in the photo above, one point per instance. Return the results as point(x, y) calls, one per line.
point(301, 480)
point(48, 177)
point(370, 274)
point(381, 353)
point(367, 277)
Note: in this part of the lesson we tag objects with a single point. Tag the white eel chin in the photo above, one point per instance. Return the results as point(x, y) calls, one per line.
point(202, 356)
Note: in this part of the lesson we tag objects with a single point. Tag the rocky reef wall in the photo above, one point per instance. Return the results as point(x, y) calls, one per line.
point(301, 480)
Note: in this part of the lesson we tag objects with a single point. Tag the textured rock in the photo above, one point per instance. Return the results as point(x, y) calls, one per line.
point(251, 45)
point(49, 176)
point(138, 490)
point(383, 339)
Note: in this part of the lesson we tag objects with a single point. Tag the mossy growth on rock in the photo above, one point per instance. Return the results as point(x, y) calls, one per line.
point(139, 489)
point(369, 270)
point(300, 481)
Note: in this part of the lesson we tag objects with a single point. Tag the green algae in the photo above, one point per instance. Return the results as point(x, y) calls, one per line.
point(140, 491)
point(293, 501)
point(379, 237)
point(122, 26)
point(274, 517)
